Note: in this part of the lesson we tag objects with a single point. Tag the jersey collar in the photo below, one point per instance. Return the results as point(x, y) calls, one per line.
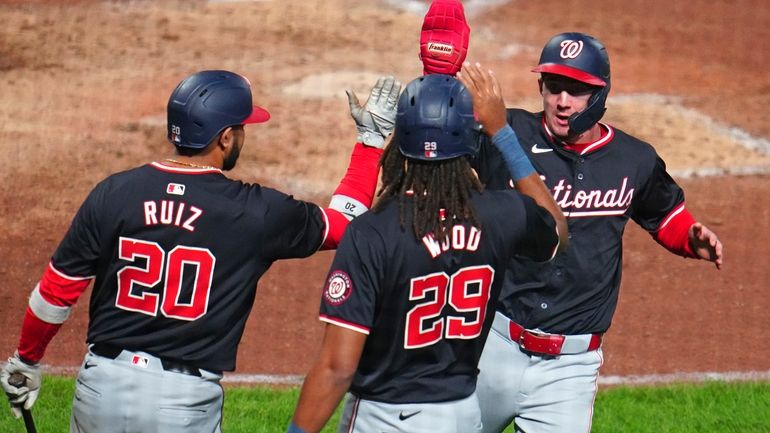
point(181, 170)
point(583, 148)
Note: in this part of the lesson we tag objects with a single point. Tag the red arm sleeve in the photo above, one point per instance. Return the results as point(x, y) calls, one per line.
point(673, 233)
point(360, 180)
point(337, 223)
point(48, 308)
point(35, 336)
point(60, 289)
point(354, 194)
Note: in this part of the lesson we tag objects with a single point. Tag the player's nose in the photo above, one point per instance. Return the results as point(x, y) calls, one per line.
point(563, 99)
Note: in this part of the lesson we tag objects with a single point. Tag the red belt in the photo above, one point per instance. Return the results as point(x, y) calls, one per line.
point(547, 344)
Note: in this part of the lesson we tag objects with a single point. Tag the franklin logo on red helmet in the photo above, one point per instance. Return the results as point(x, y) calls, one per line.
point(444, 38)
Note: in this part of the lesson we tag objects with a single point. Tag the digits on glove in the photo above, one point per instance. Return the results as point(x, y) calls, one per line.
point(444, 38)
point(26, 394)
point(377, 118)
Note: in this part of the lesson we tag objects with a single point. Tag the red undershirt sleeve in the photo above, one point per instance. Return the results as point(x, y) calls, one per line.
point(49, 306)
point(673, 233)
point(354, 194)
point(35, 336)
point(337, 225)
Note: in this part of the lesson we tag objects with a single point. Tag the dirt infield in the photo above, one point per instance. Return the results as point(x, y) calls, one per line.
point(84, 88)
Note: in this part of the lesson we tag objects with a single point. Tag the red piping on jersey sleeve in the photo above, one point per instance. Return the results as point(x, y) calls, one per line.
point(360, 180)
point(344, 324)
point(35, 336)
point(673, 233)
point(60, 289)
point(336, 224)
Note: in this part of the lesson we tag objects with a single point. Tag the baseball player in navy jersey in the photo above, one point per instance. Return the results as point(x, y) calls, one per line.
point(175, 249)
point(409, 298)
point(540, 365)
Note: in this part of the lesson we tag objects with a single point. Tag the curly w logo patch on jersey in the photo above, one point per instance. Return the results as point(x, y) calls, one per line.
point(338, 288)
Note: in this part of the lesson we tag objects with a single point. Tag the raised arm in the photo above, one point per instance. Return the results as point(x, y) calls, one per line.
point(374, 123)
point(489, 108)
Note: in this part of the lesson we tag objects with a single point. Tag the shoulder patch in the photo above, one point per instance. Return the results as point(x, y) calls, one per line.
point(338, 288)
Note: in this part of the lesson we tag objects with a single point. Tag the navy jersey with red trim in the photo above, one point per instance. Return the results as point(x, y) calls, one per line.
point(176, 255)
point(427, 307)
point(611, 181)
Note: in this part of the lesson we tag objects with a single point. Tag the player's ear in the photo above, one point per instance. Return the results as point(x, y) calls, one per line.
point(226, 138)
point(540, 85)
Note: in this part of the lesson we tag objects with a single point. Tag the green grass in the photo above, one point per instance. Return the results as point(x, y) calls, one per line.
point(262, 410)
point(713, 407)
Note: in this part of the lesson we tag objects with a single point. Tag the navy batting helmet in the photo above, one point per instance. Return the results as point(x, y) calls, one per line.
point(207, 102)
point(583, 58)
point(435, 119)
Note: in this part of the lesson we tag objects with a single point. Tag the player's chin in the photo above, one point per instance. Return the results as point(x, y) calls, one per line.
point(559, 128)
point(231, 159)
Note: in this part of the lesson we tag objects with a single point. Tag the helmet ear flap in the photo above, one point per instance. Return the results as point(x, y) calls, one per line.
point(583, 58)
point(594, 111)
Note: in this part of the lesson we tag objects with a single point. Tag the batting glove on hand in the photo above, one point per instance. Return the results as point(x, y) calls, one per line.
point(25, 394)
point(375, 120)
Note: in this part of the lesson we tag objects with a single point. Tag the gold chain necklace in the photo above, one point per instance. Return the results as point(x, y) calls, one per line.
point(190, 164)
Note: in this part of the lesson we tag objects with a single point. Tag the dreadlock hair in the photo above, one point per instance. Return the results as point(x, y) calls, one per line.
point(440, 191)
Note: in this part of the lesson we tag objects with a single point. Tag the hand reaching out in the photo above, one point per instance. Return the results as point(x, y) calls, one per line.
point(488, 103)
point(705, 244)
point(377, 118)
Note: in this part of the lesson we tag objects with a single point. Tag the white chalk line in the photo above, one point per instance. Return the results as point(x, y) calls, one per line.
point(686, 377)
point(737, 135)
point(629, 380)
point(748, 170)
point(472, 8)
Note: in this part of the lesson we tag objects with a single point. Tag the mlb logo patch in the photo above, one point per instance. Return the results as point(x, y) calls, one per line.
point(175, 189)
point(140, 361)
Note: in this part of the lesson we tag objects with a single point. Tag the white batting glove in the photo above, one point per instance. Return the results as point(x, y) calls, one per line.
point(375, 120)
point(26, 394)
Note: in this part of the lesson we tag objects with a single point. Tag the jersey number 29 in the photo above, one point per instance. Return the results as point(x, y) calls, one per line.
point(153, 273)
point(466, 291)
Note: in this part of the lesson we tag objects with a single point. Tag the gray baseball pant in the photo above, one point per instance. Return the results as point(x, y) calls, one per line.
point(541, 394)
point(133, 393)
point(367, 416)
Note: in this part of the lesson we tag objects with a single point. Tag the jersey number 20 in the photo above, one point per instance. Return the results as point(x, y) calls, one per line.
point(174, 264)
point(466, 291)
